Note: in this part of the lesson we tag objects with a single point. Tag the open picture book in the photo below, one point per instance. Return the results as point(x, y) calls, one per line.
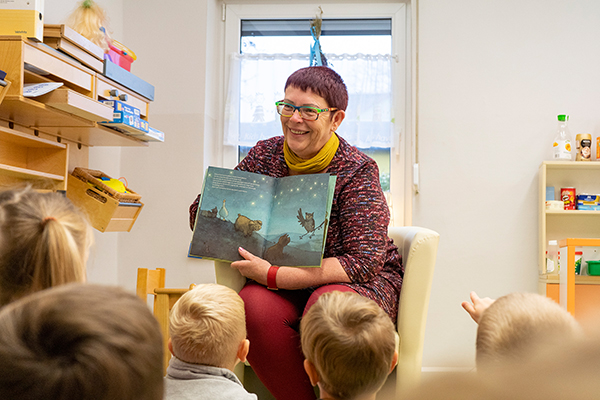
point(282, 220)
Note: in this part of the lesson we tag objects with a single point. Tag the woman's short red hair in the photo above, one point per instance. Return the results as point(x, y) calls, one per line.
point(322, 81)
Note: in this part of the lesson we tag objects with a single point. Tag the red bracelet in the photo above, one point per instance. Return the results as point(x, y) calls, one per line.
point(272, 277)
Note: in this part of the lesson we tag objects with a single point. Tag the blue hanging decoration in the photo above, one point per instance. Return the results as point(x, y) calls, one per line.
point(317, 58)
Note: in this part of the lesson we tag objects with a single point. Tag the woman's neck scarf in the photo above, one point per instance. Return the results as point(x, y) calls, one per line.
point(316, 164)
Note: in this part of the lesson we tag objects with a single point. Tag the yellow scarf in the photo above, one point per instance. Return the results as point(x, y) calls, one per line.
point(316, 164)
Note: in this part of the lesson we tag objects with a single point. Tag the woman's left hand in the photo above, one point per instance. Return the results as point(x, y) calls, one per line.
point(252, 267)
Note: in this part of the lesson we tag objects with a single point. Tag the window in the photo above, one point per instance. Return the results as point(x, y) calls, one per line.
point(263, 51)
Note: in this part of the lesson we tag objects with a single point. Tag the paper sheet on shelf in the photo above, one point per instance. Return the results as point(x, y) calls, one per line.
point(38, 89)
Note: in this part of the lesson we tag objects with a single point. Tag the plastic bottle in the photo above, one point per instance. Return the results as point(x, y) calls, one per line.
point(562, 145)
point(552, 257)
point(578, 257)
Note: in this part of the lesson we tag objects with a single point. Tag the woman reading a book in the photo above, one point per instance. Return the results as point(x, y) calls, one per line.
point(358, 255)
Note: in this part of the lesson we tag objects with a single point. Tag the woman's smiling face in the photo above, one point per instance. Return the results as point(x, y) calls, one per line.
point(306, 138)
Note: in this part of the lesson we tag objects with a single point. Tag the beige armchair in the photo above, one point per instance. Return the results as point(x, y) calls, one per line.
point(418, 247)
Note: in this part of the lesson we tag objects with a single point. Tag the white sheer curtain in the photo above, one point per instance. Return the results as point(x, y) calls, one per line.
point(256, 82)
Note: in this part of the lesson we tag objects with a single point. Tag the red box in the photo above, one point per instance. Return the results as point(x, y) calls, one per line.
point(118, 57)
point(569, 198)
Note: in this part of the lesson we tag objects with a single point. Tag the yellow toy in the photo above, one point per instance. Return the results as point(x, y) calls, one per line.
point(115, 184)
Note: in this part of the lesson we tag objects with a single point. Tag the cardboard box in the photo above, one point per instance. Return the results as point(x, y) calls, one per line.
point(22, 17)
point(125, 118)
point(105, 213)
point(585, 207)
point(153, 135)
point(129, 124)
point(121, 107)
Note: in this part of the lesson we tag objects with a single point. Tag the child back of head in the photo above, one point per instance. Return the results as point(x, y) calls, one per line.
point(207, 326)
point(44, 242)
point(351, 342)
point(518, 324)
point(80, 341)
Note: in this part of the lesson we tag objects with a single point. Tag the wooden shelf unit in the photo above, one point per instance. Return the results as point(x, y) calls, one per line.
point(43, 138)
point(26, 61)
point(25, 157)
point(4, 90)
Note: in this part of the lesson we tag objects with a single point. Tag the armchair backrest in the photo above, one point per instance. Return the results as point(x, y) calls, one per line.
point(418, 247)
point(230, 277)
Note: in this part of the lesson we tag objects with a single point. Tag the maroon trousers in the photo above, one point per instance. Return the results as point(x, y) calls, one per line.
point(273, 324)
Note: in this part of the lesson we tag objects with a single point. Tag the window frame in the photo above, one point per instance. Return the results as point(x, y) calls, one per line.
point(400, 195)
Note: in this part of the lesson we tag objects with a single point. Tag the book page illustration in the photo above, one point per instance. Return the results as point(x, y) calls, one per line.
point(262, 215)
point(300, 211)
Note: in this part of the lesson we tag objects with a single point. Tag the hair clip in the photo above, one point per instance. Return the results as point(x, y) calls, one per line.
point(45, 221)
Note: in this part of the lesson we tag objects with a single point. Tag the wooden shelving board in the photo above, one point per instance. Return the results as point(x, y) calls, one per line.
point(24, 173)
point(50, 120)
point(579, 279)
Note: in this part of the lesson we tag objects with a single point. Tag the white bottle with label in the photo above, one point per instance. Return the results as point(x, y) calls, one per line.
point(552, 257)
point(562, 145)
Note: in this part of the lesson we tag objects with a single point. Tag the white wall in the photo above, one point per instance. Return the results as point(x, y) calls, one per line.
point(175, 53)
point(172, 44)
point(103, 264)
point(493, 75)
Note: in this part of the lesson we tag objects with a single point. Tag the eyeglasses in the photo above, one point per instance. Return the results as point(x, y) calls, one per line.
point(306, 112)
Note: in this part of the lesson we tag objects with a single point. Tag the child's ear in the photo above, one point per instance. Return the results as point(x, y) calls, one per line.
point(170, 346)
point(311, 371)
point(394, 361)
point(243, 350)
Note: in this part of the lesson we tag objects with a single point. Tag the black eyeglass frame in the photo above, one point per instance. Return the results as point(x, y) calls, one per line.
point(319, 111)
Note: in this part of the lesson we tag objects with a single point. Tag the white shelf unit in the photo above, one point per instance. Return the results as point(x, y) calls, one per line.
point(584, 176)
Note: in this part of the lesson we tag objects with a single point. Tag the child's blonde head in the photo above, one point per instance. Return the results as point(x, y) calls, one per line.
point(44, 242)
point(520, 323)
point(350, 341)
point(207, 325)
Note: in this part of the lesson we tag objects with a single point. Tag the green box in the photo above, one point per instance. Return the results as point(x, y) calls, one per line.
point(594, 267)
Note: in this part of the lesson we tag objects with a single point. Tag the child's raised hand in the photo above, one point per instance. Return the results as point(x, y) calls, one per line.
point(479, 305)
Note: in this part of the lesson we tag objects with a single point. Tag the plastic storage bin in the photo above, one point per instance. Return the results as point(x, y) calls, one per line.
point(594, 267)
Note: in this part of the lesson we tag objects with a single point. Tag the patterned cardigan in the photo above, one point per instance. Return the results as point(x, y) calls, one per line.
point(357, 234)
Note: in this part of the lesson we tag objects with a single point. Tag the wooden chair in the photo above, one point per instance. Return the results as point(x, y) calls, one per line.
point(418, 248)
point(153, 282)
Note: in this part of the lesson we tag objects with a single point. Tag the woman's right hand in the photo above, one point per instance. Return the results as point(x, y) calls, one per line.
point(252, 267)
point(479, 305)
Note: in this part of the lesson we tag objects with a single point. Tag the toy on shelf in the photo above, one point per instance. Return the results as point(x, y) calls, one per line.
point(120, 55)
point(89, 19)
point(116, 184)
